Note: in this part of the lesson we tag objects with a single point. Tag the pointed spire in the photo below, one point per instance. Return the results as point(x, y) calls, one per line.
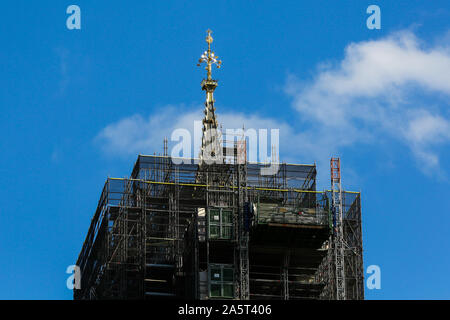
point(210, 140)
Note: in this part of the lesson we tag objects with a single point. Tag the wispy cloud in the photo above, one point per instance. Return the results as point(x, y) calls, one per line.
point(62, 55)
point(137, 134)
point(395, 87)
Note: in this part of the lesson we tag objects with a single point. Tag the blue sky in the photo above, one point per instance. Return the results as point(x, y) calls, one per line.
point(79, 105)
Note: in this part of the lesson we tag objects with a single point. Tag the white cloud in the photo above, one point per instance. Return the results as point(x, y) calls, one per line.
point(426, 129)
point(394, 87)
point(136, 134)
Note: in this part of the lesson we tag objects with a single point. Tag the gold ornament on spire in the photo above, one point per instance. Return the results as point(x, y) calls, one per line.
point(209, 57)
point(209, 39)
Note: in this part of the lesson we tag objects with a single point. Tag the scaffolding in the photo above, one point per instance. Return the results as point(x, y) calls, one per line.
point(353, 252)
point(220, 227)
point(153, 235)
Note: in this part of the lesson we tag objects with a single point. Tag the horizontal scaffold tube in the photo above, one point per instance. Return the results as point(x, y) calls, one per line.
point(234, 187)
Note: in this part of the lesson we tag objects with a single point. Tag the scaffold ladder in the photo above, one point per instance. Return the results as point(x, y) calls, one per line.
point(241, 162)
point(339, 250)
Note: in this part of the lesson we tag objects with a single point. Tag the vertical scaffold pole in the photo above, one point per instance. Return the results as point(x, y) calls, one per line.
point(243, 234)
point(339, 252)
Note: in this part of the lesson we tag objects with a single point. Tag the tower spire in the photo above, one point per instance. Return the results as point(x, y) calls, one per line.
point(210, 140)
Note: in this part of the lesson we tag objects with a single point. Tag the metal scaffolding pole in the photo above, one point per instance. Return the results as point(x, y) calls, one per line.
point(339, 249)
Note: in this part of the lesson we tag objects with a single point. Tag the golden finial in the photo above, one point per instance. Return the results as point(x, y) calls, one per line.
point(208, 56)
point(209, 39)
